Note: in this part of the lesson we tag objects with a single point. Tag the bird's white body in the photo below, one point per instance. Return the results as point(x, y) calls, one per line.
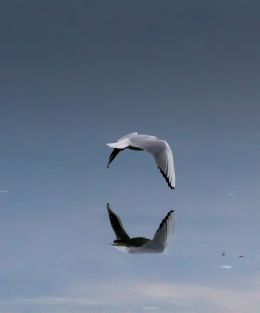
point(160, 150)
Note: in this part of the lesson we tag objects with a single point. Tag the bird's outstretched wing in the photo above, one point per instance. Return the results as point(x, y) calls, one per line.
point(165, 230)
point(164, 162)
point(117, 225)
point(161, 152)
point(113, 154)
point(118, 146)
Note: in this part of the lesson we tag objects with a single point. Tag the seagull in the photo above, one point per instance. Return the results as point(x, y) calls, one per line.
point(160, 149)
point(141, 244)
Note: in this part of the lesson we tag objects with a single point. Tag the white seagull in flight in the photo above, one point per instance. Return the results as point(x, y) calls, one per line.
point(141, 244)
point(160, 149)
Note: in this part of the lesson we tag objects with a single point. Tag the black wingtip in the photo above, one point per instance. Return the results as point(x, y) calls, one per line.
point(166, 178)
point(166, 217)
point(169, 213)
point(113, 154)
point(110, 212)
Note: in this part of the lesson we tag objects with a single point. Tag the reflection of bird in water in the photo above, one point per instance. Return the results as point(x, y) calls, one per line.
point(224, 253)
point(141, 244)
point(160, 150)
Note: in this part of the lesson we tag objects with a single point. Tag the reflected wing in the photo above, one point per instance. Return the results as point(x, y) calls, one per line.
point(117, 225)
point(165, 230)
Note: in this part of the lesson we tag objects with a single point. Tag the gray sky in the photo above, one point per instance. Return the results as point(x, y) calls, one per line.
point(76, 75)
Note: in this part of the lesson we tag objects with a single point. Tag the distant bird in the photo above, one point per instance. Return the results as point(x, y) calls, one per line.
point(160, 149)
point(224, 253)
point(241, 256)
point(141, 244)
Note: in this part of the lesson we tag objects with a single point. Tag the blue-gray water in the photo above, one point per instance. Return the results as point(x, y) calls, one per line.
point(76, 75)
